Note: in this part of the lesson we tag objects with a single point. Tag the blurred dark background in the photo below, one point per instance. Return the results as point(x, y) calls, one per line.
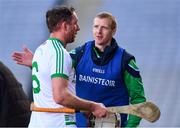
point(149, 29)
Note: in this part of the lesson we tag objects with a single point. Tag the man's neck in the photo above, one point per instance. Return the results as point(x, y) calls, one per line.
point(102, 47)
point(58, 36)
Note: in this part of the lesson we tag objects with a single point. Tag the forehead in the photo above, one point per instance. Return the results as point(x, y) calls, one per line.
point(102, 21)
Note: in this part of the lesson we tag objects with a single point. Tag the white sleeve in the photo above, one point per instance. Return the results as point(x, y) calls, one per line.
point(59, 63)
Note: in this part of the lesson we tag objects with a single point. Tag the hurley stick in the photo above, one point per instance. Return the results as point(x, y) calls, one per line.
point(145, 110)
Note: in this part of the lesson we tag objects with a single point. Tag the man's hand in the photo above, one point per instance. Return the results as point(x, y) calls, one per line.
point(23, 58)
point(99, 110)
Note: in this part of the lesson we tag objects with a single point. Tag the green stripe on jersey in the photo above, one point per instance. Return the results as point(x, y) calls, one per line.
point(58, 61)
point(70, 123)
point(56, 57)
point(55, 39)
point(59, 56)
point(60, 75)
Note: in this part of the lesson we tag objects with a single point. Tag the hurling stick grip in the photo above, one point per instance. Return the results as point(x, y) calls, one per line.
point(52, 110)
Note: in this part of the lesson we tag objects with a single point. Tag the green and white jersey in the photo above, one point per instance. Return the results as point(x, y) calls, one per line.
point(50, 60)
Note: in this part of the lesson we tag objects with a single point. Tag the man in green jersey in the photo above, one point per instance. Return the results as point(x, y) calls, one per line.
point(52, 73)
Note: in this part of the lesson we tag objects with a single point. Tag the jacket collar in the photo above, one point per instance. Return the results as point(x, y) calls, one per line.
point(102, 58)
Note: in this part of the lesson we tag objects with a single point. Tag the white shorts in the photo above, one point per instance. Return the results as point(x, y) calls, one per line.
point(52, 120)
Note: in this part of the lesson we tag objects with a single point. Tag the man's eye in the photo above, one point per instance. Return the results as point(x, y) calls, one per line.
point(106, 28)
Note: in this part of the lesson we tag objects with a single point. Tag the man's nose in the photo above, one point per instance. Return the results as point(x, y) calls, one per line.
point(77, 28)
point(99, 30)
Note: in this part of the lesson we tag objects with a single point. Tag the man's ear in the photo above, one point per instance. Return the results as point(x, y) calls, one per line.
point(113, 32)
point(64, 26)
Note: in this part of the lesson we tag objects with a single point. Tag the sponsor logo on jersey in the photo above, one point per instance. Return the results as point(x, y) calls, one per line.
point(96, 80)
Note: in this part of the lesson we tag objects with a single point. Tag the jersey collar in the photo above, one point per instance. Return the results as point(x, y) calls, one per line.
point(50, 38)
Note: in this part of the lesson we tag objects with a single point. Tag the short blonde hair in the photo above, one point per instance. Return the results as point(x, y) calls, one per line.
point(109, 16)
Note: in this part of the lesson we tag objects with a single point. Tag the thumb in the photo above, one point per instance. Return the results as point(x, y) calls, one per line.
point(26, 49)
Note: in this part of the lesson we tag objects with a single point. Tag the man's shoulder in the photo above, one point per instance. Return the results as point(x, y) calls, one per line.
point(127, 56)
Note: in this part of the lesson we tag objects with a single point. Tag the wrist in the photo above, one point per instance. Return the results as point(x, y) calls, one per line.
point(93, 106)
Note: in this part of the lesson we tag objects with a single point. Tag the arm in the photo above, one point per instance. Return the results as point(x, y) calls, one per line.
point(135, 88)
point(23, 58)
point(64, 97)
point(1, 90)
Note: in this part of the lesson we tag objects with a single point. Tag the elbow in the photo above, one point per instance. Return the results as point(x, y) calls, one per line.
point(60, 100)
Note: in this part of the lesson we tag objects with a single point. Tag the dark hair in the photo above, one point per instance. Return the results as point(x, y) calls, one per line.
point(58, 14)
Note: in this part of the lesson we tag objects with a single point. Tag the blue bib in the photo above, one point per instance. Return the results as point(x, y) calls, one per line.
point(102, 84)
